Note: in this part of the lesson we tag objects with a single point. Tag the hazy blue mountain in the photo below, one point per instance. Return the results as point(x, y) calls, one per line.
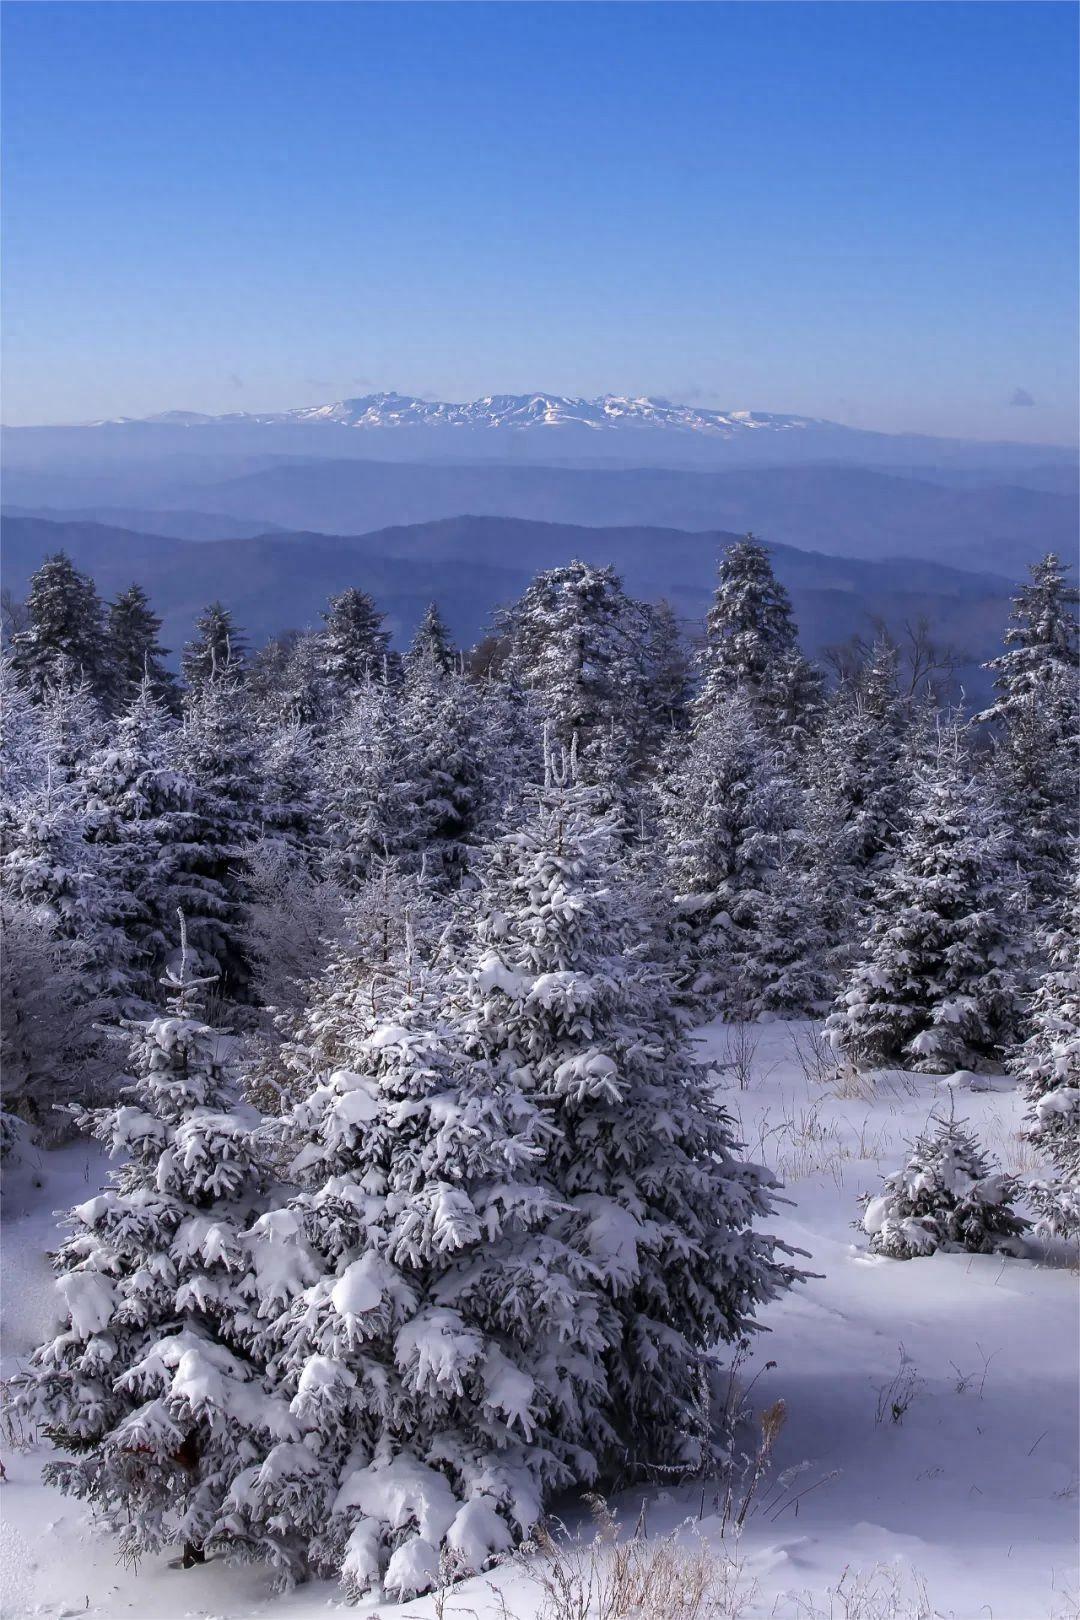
point(180, 525)
point(473, 564)
point(844, 511)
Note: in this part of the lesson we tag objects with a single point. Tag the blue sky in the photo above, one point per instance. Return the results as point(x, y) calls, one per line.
point(865, 211)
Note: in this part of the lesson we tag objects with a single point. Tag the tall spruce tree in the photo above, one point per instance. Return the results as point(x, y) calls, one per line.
point(1047, 1064)
point(441, 724)
point(748, 937)
point(669, 679)
point(431, 645)
point(937, 981)
point(49, 1050)
point(48, 863)
point(581, 644)
point(133, 652)
point(356, 648)
point(1036, 719)
point(858, 777)
point(65, 630)
point(563, 993)
point(216, 750)
point(751, 646)
point(288, 684)
point(368, 787)
point(138, 818)
point(149, 1384)
point(217, 650)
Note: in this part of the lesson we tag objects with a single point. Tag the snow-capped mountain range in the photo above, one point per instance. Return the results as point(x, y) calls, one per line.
point(522, 411)
point(611, 430)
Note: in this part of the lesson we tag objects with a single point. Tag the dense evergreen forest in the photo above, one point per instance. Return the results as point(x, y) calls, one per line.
point(377, 974)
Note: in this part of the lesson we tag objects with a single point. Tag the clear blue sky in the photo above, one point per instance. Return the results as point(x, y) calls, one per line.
point(861, 211)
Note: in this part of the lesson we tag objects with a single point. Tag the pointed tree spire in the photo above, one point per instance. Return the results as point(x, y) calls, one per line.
point(217, 650)
point(355, 645)
point(134, 653)
point(431, 645)
point(65, 626)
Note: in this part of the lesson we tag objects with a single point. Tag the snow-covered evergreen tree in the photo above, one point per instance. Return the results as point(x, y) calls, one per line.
point(669, 679)
point(287, 682)
point(355, 645)
point(368, 787)
point(511, 746)
point(562, 994)
point(388, 917)
point(581, 644)
point(749, 625)
point(72, 722)
point(1048, 1065)
point(217, 649)
point(439, 719)
point(24, 747)
point(216, 750)
point(946, 1197)
point(65, 628)
point(149, 1385)
point(1036, 719)
point(133, 652)
point(938, 977)
point(1042, 637)
point(295, 917)
point(73, 889)
point(747, 935)
point(291, 786)
point(858, 777)
point(49, 1050)
point(431, 646)
point(751, 646)
point(139, 823)
point(438, 1342)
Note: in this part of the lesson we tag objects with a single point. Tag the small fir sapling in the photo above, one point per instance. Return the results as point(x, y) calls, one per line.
point(946, 1197)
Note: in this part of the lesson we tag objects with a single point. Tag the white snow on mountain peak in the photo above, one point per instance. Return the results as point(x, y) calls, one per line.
point(522, 412)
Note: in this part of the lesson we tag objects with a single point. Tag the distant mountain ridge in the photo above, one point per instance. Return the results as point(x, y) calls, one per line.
point(852, 512)
point(620, 429)
point(522, 411)
point(473, 565)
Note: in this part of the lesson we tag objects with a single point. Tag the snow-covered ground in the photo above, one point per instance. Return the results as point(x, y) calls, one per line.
point(931, 1405)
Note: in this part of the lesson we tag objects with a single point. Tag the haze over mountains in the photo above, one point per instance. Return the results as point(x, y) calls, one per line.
point(473, 565)
point(272, 512)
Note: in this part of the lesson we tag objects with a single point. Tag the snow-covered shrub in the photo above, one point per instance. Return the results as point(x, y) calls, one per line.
point(946, 1197)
